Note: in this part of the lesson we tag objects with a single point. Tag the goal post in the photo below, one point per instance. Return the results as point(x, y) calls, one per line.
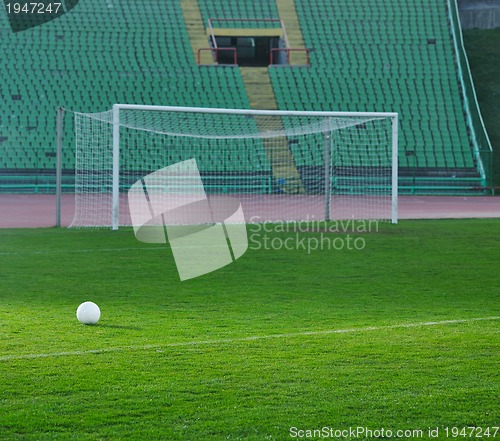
point(282, 165)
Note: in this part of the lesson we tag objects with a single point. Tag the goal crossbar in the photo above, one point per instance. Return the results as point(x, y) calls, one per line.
point(216, 110)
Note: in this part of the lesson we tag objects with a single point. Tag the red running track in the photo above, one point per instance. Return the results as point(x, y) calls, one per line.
point(32, 211)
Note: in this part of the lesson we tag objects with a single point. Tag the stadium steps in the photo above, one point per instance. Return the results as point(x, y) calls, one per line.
point(260, 92)
point(195, 26)
point(288, 13)
point(259, 88)
point(283, 165)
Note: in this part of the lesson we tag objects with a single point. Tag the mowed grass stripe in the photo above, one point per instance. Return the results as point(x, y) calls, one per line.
point(243, 339)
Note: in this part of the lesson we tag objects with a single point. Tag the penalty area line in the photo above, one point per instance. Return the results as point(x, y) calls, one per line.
point(221, 341)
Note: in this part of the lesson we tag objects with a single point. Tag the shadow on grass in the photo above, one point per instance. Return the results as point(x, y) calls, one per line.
point(110, 326)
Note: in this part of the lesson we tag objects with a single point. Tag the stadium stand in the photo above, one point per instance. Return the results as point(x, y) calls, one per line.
point(99, 54)
point(394, 55)
point(382, 55)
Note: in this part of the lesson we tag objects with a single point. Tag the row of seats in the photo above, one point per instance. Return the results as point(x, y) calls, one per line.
point(436, 120)
point(396, 55)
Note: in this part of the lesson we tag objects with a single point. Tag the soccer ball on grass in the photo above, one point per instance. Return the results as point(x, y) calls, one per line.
point(88, 313)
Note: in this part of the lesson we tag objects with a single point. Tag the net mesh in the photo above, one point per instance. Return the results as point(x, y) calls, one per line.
point(280, 167)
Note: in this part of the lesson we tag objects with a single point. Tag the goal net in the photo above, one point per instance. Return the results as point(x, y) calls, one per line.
point(279, 165)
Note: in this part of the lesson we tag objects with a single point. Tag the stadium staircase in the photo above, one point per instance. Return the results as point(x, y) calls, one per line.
point(287, 13)
point(261, 95)
point(194, 24)
point(257, 83)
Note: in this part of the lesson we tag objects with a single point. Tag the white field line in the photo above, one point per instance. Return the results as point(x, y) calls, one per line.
point(165, 246)
point(160, 346)
point(95, 250)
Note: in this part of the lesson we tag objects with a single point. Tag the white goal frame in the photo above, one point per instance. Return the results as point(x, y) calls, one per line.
point(117, 108)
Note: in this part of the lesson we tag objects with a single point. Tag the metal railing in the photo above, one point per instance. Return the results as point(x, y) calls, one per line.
point(288, 50)
point(481, 144)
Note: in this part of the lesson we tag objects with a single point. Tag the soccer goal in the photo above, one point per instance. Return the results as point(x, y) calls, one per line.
point(280, 165)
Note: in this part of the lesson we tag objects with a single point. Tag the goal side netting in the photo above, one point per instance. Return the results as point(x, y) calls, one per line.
point(279, 165)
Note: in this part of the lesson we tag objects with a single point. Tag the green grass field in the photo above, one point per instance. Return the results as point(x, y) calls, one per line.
point(401, 335)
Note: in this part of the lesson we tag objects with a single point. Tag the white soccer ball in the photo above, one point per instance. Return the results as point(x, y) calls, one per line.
point(88, 313)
